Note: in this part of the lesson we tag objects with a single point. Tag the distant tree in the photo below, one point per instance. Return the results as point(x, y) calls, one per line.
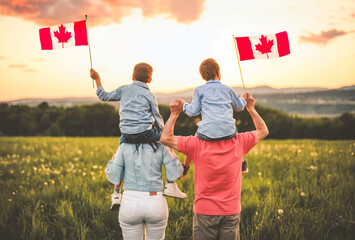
point(72, 121)
point(102, 119)
point(54, 130)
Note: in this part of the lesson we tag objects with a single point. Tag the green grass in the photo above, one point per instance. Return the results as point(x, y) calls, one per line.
point(56, 188)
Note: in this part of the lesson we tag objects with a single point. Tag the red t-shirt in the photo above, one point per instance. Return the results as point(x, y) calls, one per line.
point(218, 176)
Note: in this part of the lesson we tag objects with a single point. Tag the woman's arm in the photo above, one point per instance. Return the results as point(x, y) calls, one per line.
point(114, 169)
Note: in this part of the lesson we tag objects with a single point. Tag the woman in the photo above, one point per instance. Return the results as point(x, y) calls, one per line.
point(143, 204)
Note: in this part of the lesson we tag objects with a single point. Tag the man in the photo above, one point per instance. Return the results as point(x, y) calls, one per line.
point(217, 173)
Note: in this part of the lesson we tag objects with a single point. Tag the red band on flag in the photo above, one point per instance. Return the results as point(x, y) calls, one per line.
point(81, 37)
point(283, 46)
point(244, 48)
point(45, 38)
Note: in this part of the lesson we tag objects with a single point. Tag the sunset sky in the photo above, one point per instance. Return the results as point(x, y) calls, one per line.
point(174, 36)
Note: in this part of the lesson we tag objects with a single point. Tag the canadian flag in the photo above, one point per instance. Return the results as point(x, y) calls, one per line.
point(64, 35)
point(263, 46)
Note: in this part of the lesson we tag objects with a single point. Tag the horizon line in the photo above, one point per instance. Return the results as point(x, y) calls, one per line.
point(176, 91)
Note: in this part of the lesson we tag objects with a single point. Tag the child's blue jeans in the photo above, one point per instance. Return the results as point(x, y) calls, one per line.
point(151, 135)
point(204, 137)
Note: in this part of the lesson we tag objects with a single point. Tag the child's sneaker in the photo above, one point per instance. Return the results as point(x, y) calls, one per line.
point(244, 166)
point(116, 201)
point(171, 190)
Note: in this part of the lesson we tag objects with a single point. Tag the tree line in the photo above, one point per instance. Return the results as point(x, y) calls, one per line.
point(103, 119)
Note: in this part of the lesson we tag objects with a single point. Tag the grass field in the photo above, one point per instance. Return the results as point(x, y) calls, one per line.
point(56, 188)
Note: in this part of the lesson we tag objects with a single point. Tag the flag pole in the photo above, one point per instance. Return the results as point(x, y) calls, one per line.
point(240, 70)
point(86, 18)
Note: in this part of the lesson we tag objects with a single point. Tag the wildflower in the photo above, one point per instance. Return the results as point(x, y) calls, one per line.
point(23, 171)
point(34, 169)
point(260, 173)
point(13, 193)
point(45, 183)
point(256, 213)
point(303, 194)
point(11, 171)
point(94, 166)
point(66, 187)
point(53, 182)
point(280, 211)
point(312, 167)
point(10, 200)
point(84, 173)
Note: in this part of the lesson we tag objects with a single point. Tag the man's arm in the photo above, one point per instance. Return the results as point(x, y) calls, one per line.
point(167, 136)
point(261, 129)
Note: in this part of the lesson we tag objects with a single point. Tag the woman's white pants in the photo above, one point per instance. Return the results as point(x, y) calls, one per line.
point(139, 210)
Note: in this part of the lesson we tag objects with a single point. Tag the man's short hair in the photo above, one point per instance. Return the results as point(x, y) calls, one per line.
point(209, 69)
point(142, 72)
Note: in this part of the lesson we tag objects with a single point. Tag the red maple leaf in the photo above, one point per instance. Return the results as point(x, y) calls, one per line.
point(265, 46)
point(62, 36)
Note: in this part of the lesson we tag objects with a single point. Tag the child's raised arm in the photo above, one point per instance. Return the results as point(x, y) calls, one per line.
point(94, 75)
point(101, 93)
point(193, 108)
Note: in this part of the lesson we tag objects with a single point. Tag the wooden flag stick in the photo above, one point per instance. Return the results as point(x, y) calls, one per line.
point(240, 70)
point(86, 18)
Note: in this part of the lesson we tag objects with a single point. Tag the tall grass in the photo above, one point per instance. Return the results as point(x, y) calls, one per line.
point(56, 188)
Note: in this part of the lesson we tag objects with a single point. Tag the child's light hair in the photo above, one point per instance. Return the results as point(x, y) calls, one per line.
point(209, 69)
point(142, 72)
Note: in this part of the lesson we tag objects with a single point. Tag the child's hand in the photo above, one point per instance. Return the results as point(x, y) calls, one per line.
point(94, 75)
point(246, 96)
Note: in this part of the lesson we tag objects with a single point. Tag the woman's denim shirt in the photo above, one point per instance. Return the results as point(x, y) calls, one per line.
point(141, 168)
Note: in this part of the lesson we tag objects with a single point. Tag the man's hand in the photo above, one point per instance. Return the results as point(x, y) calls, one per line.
point(176, 106)
point(94, 75)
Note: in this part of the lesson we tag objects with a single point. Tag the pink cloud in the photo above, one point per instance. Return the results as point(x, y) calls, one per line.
point(51, 12)
point(322, 38)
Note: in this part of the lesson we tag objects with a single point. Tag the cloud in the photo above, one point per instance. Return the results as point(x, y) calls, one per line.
point(353, 15)
point(100, 12)
point(17, 66)
point(2, 58)
point(22, 67)
point(322, 38)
